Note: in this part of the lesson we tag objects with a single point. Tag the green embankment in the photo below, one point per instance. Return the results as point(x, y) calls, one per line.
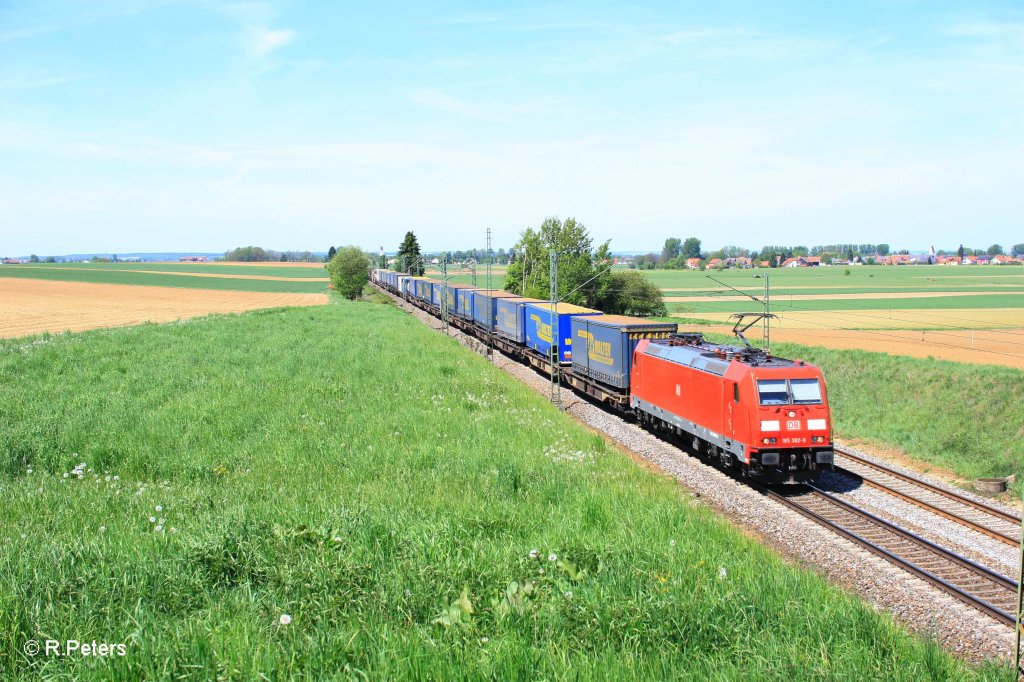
point(102, 273)
point(348, 467)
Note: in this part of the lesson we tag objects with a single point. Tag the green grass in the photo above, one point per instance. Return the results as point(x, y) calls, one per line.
point(347, 466)
point(964, 417)
point(110, 273)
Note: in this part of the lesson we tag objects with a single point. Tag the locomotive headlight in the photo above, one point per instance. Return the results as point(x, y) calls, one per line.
point(768, 441)
point(817, 439)
point(792, 414)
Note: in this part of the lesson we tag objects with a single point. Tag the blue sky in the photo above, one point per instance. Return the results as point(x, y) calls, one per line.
point(147, 125)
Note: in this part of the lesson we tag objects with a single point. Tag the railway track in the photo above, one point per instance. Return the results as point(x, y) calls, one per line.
point(971, 583)
point(978, 516)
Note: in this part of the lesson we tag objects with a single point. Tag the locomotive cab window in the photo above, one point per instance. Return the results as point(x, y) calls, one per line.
point(805, 391)
point(735, 393)
point(773, 392)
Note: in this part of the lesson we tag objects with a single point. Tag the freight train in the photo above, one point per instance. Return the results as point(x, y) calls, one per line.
point(737, 406)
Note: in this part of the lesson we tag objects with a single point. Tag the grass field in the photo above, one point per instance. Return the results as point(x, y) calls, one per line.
point(187, 276)
point(384, 488)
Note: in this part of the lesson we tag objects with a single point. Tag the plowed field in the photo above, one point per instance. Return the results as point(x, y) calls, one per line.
point(36, 306)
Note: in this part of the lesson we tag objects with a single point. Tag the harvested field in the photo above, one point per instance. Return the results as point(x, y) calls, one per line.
point(976, 346)
point(36, 306)
point(269, 278)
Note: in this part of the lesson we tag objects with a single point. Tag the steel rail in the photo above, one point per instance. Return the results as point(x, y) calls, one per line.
point(1010, 537)
point(1006, 516)
point(970, 569)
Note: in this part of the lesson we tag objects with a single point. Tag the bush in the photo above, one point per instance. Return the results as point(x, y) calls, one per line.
point(349, 271)
point(630, 293)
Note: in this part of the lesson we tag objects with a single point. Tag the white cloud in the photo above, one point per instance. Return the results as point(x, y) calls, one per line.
point(262, 41)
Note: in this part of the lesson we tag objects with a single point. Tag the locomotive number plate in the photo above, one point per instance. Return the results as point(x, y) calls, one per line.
point(793, 425)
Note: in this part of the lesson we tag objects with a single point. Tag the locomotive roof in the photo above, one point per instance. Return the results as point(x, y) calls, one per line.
point(692, 351)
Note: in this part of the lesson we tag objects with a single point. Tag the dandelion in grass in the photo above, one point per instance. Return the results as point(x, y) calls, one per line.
point(159, 508)
point(285, 619)
point(671, 543)
point(484, 640)
point(117, 478)
point(722, 573)
point(552, 557)
point(173, 529)
point(159, 528)
point(534, 553)
point(152, 519)
point(541, 571)
point(65, 474)
point(568, 595)
point(103, 529)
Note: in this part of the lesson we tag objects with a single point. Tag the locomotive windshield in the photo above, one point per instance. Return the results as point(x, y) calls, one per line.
point(793, 391)
point(805, 391)
point(773, 392)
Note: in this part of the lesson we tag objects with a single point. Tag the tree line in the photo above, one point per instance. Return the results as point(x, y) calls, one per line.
point(257, 254)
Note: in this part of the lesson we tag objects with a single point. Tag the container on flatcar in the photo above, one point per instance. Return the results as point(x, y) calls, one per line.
point(464, 302)
point(424, 289)
point(400, 282)
point(604, 345)
point(511, 323)
point(453, 296)
point(485, 303)
point(547, 327)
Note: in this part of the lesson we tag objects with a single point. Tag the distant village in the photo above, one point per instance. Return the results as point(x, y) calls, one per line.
point(815, 261)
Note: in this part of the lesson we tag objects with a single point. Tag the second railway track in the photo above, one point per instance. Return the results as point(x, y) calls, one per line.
point(971, 583)
point(978, 516)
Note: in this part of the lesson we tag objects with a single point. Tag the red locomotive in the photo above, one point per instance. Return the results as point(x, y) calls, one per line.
point(765, 415)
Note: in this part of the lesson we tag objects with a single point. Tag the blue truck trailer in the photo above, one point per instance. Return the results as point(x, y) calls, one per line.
point(604, 345)
point(550, 326)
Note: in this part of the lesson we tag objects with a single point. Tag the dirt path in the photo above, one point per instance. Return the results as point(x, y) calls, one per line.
point(36, 306)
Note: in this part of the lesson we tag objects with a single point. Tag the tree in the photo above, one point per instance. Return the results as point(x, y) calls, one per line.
point(330, 253)
point(33, 258)
point(690, 248)
point(960, 252)
point(995, 250)
point(408, 258)
point(349, 271)
point(1017, 250)
point(529, 274)
point(883, 249)
point(248, 254)
point(629, 293)
point(673, 247)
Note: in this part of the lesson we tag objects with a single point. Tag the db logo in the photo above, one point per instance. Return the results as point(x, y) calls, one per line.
point(793, 425)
